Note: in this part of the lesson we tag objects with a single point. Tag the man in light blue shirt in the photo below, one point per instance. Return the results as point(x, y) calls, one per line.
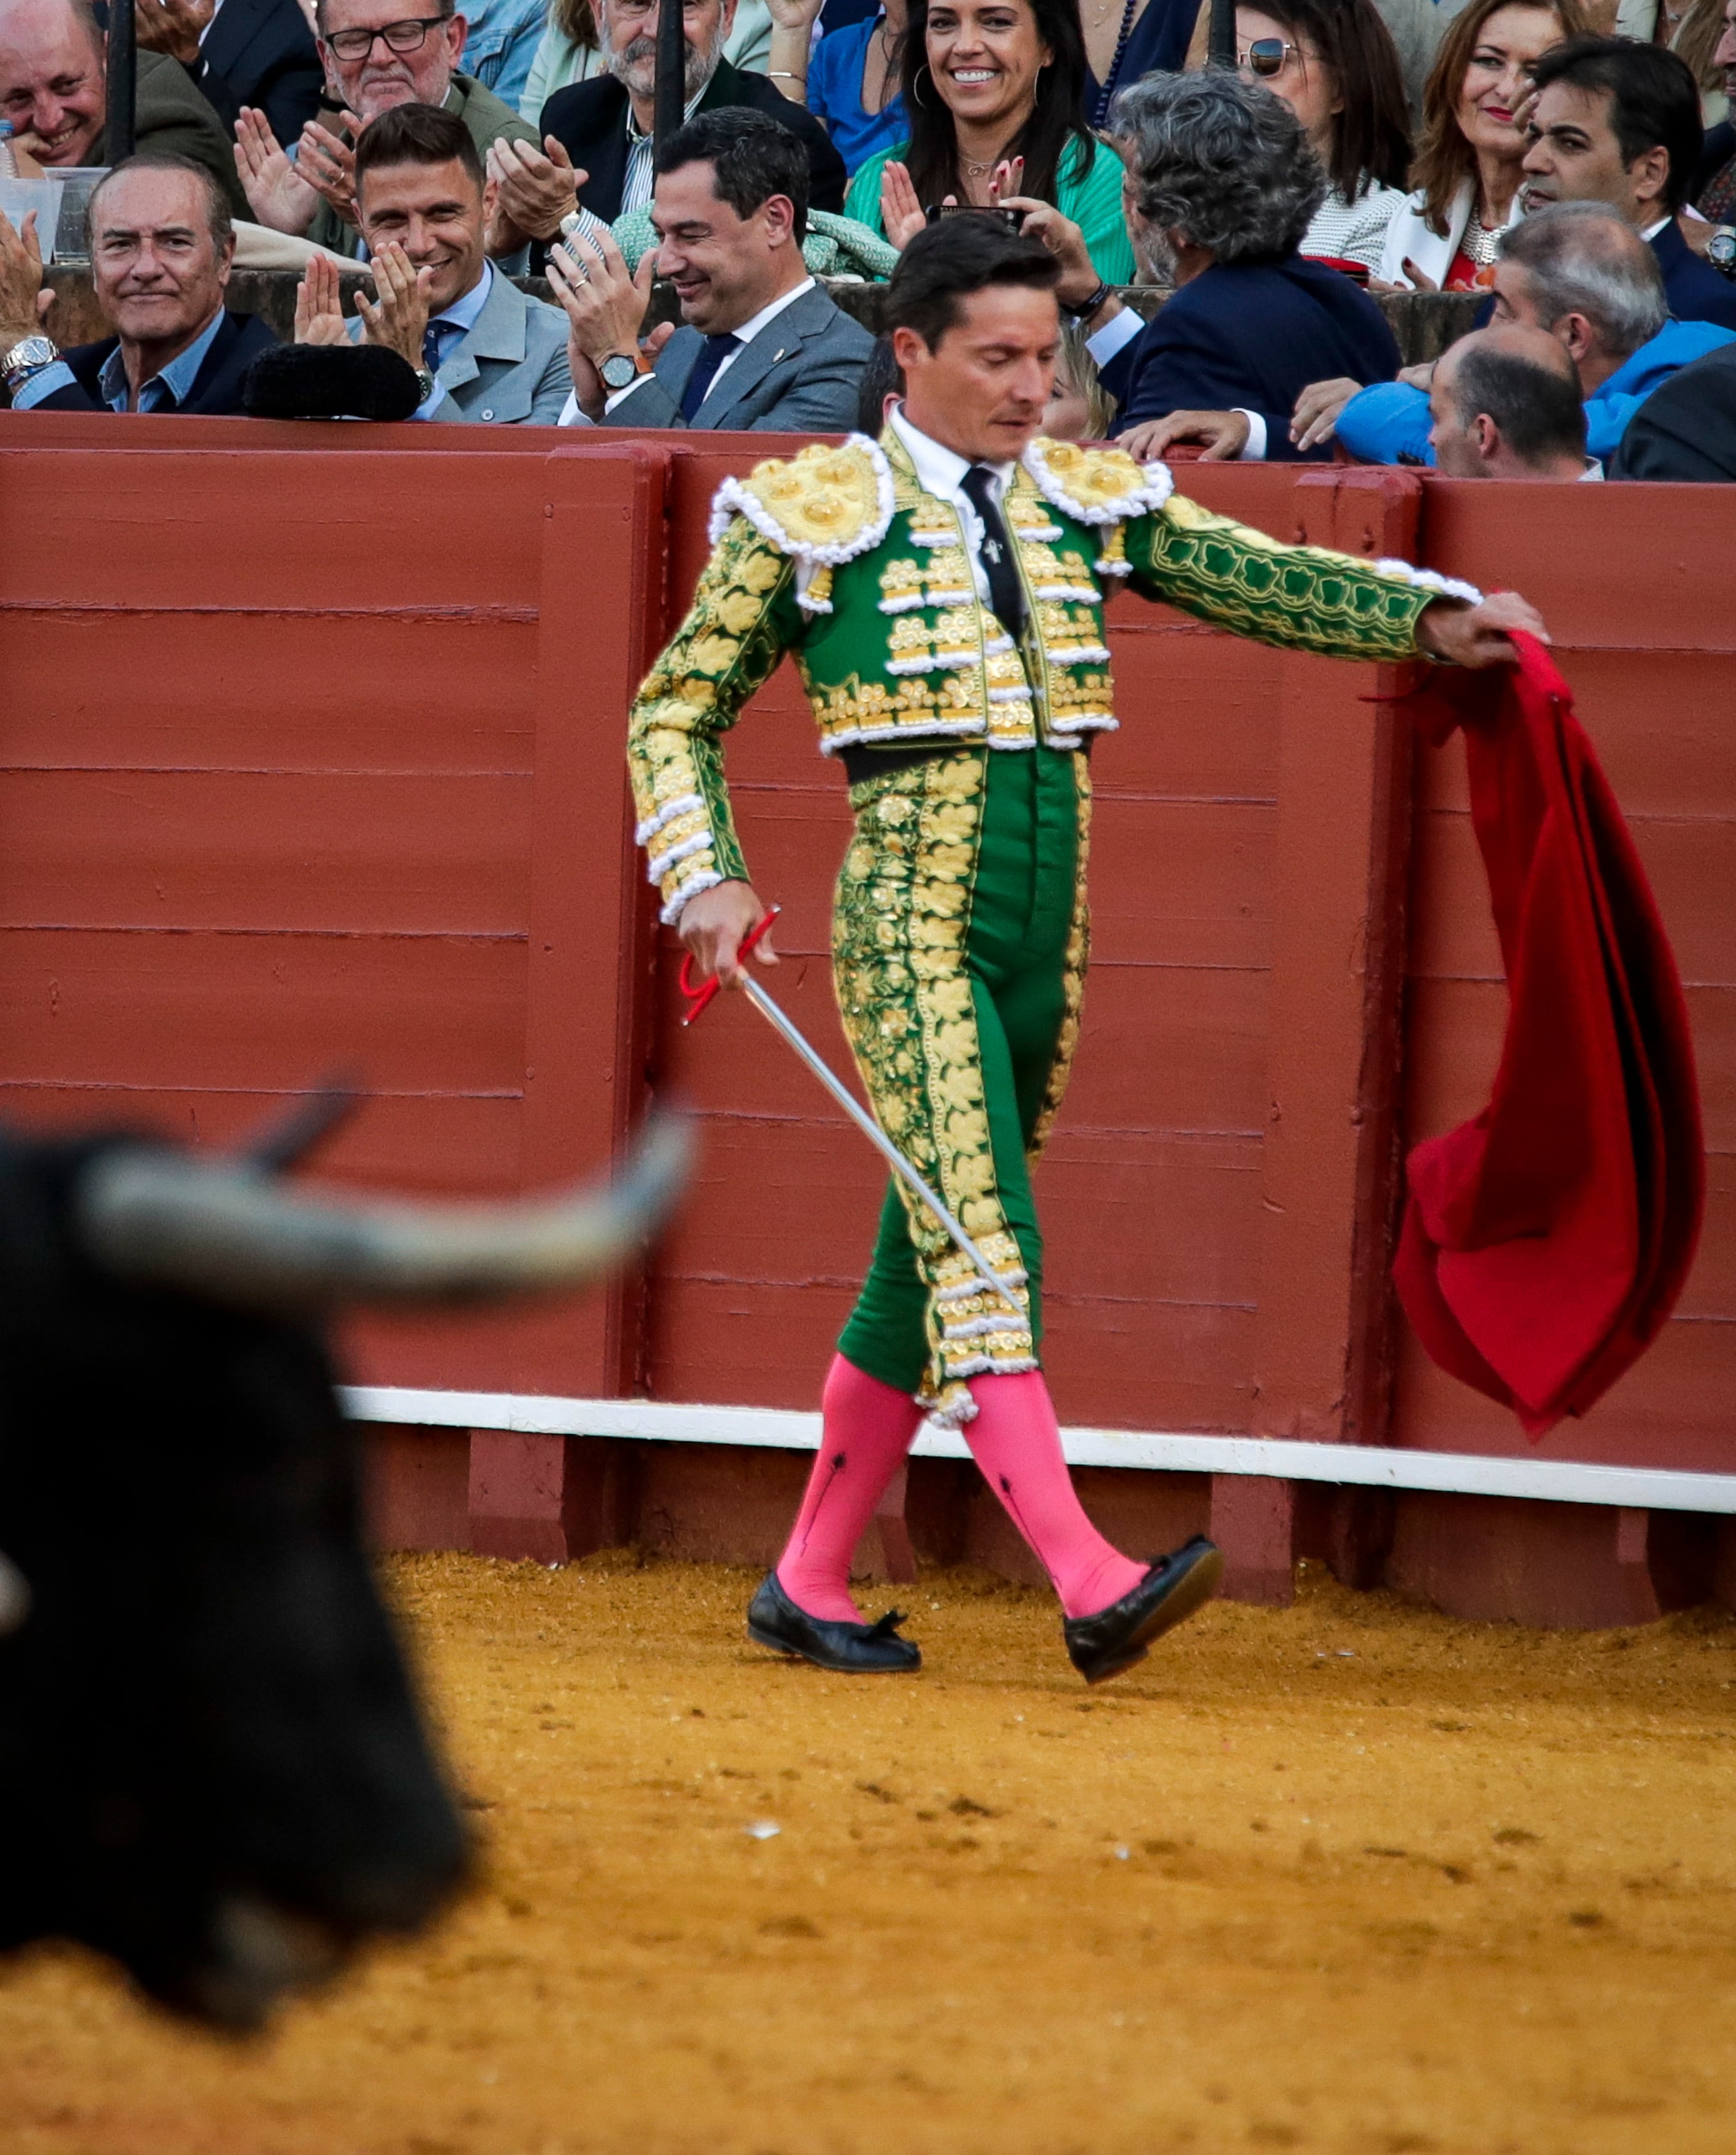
point(485, 352)
point(162, 250)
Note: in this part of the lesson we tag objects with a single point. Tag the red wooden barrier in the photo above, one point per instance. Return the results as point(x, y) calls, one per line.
point(313, 759)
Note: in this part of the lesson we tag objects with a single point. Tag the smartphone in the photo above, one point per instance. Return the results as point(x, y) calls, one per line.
point(1013, 219)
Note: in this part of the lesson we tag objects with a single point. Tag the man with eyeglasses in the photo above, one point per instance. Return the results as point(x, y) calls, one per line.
point(377, 54)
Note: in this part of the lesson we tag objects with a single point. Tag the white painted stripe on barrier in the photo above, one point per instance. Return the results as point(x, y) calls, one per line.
point(1458, 1473)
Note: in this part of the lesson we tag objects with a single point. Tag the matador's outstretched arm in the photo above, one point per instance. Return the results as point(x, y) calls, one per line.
point(1309, 598)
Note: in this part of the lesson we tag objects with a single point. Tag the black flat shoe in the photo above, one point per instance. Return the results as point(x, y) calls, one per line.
point(1102, 1646)
point(854, 1649)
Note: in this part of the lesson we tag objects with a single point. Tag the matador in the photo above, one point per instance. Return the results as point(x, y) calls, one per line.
point(941, 592)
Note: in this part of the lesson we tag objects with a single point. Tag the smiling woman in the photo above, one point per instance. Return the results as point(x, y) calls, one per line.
point(1469, 159)
point(989, 84)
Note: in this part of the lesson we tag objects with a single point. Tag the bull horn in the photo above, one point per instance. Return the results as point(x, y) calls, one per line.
point(229, 1233)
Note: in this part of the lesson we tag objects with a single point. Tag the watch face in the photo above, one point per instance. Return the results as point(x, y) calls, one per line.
point(1721, 248)
point(617, 370)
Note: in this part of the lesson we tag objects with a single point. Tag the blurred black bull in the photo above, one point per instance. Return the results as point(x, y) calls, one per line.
point(211, 1765)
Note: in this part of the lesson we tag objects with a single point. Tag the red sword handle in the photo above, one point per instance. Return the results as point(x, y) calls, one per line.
point(700, 993)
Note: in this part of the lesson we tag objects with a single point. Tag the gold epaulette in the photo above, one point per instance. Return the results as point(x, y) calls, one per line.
point(822, 507)
point(1097, 486)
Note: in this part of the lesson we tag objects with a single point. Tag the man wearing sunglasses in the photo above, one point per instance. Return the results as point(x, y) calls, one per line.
point(377, 54)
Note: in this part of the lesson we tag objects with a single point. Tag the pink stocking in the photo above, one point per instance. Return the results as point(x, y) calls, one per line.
point(867, 1429)
point(1017, 1442)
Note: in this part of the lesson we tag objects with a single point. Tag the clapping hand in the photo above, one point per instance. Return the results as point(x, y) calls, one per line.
point(533, 191)
point(24, 301)
point(901, 214)
point(604, 304)
point(327, 163)
point(320, 305)
point(276, 193)
point(398, 318)
point(174, 27)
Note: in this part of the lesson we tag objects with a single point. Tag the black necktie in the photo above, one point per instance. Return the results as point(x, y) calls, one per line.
point(716, 350)
point(1005, 593)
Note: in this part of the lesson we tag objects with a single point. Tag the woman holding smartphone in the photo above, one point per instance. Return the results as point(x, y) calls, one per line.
point(995, 93)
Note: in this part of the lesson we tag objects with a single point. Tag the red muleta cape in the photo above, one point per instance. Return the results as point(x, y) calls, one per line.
point(1545, 1242)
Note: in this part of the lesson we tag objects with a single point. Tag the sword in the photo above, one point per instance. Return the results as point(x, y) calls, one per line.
point(700, 994)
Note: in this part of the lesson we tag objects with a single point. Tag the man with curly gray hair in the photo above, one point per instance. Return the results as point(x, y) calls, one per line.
point(1221, 185)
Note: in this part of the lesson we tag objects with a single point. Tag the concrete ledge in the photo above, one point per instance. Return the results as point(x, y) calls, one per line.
point(1351, 1466)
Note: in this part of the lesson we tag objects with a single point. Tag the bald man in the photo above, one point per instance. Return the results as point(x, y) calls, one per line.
point(1504, 403)
point(1578, 271)
point(54, 88)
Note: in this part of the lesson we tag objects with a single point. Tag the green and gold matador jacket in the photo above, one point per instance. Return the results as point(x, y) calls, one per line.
point(838, 557)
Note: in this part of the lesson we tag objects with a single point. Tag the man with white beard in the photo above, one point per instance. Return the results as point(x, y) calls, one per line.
point(597, 134)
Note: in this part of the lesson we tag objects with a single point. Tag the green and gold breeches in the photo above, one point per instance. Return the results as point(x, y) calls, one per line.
point(959, 946)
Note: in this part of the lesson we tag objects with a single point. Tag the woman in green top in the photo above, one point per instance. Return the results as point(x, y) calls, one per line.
point(995, 91)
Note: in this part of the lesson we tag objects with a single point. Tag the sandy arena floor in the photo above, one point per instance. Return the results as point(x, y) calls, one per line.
point(1351, 1878)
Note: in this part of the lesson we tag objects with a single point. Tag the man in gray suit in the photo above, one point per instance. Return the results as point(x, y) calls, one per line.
point(482, 349)
point(762, 347)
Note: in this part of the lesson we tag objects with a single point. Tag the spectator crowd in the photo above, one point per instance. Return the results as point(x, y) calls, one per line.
point(475, 205)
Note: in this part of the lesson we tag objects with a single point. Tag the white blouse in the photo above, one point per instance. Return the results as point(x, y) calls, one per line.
point(1354, 230)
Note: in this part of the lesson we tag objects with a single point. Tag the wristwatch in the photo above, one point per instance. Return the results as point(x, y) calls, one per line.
point(425, 387)
point(620, 371)
point(28, 356)
point(1088, 307)
point(1721, 248)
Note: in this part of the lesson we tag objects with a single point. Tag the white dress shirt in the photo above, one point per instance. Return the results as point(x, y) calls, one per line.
point(941, 471)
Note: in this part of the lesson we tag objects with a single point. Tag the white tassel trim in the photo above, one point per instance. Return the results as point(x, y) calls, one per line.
point(1041, 533)
point(983, 1328)
point(907, 602)
point(659, 865)
point(1009, 695)
point(1137, 501)
point(683, 805)
point(1106, 567)
point(732, 499)
point(965, 1289)
point(1083, 592)
point(1430, 580)
point(988, 1365)
point(1081, 722)
point(690, 888)
point(993, 646)
point(943, 662)
point(935, 539)
point(1082, 654)
point(951, 598)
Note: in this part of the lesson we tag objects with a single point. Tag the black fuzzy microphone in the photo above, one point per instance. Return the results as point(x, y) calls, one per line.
point(329, 382)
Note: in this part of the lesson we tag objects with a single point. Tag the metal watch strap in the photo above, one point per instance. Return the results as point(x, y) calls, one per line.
point(425, 383)
point(28, 356)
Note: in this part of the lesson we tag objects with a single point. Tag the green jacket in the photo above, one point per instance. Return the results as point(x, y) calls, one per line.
point(482, 113)
point(173, 119)
point(841, 558)
point(1092, 199)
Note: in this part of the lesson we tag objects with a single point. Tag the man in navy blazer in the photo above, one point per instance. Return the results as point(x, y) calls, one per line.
point(162, 268)
point(761, 346)
point(1223, 185)
point(1619, 122)
point(249, 52)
